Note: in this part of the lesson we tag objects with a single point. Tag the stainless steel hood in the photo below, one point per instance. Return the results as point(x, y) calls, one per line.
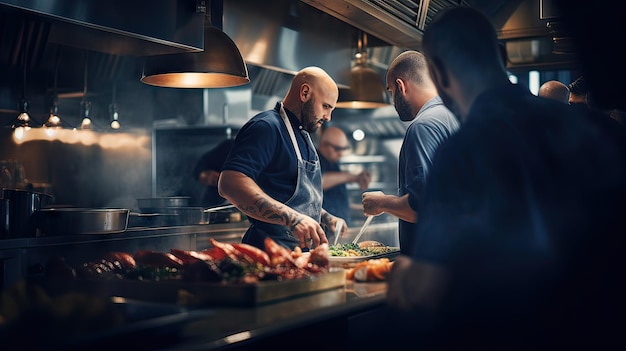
point(401, 23)
point(276, 38)
point(287, 35)
point(116, 27)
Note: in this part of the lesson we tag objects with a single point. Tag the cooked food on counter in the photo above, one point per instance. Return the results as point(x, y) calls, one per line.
point(224, 262)
point(370, 271)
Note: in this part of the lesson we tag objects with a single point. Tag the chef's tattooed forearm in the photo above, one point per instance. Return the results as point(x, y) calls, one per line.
point(280, 214)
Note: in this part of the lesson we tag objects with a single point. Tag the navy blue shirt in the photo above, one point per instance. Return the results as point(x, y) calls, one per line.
point(432, 125)
point(263, 151)
point(519, 204)
point(336, 199)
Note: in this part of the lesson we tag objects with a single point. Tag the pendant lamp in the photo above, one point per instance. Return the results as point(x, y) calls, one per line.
point(367, 89)
point(23, 120)
point(220, 65)
point(54, 121)
point(113, 113)
point(85, 104)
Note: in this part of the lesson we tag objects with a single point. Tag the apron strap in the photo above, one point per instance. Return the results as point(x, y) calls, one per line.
point(283, 115)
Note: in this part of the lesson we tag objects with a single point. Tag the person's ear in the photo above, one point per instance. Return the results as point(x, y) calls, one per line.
point(305, 92)
point(400, 87)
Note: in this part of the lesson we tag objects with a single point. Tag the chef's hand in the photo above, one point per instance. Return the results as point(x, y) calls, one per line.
point(372, 202)
point(308, 231)
point(412, 284)
point(332, 223)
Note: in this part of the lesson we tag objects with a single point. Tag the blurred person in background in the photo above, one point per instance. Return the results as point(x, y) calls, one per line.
point(416, 101)
point(555, 90)
point(207, 172)
point(333, 144)
point(512, 252)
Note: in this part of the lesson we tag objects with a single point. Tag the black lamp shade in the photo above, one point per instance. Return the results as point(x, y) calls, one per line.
point(220, 65)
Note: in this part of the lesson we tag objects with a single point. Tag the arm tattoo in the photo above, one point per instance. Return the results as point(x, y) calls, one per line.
point(273, 214)
point(295, 223)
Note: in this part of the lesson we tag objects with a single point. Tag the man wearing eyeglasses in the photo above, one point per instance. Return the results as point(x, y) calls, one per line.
point(333, 145)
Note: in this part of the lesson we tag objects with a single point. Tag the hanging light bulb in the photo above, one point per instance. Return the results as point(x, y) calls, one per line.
point(113, 113)
point(367, 90)
point(23, 119)
point(85, 106)
point(115, 123)
point(54, 121)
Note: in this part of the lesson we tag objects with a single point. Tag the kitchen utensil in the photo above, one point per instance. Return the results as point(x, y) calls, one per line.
point(22, 205)
point(338, 232)
point(181, 215)
point(214, 209)
point(168, 201)
point(365, 225)
point(76, 220)
point(151, 219)
point(190, 215)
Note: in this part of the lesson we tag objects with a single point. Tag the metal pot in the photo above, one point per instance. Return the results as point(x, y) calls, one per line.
point(22, 205)
point(193, 215)
point(181, 215)
point(159, 202)
point(73, 220)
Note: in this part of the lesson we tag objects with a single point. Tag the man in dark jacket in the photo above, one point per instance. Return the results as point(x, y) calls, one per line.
point(522, 235)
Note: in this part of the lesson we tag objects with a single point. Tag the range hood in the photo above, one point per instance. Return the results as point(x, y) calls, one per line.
point(401, 23)
point(119, 27)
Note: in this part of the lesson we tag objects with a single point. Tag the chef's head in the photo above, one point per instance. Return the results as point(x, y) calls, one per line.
point(312, 97)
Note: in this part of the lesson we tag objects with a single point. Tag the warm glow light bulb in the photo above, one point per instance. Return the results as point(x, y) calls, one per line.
point(86, 123)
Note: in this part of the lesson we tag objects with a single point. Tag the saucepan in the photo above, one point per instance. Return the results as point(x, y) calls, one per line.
point(193, 215)
point(76, 220)
point(167, 201)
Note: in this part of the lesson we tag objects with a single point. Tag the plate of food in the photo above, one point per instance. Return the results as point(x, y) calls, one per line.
point(349, 254)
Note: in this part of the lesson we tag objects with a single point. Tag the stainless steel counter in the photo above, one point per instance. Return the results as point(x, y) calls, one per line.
point(348, 311)
point(231, 327)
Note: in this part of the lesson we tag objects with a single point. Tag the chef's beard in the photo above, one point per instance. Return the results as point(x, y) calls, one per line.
point(403, 108)
point(308, 119)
